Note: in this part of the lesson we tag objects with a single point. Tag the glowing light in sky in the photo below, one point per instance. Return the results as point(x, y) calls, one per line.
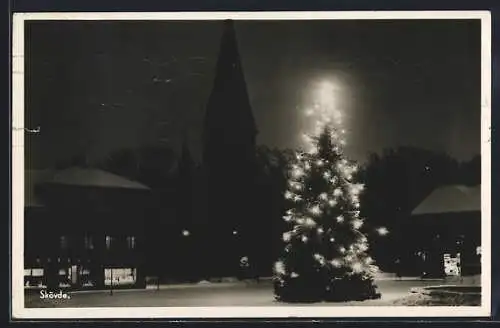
point(327, 96)
point(324, 107)
point(326, 90)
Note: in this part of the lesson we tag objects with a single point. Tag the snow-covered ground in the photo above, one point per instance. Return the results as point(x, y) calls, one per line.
point(217, 294)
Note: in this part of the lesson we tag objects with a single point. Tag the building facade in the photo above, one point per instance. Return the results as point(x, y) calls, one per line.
point(86, 231)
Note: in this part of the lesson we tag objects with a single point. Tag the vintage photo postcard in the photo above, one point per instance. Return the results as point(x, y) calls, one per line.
point(271, 164)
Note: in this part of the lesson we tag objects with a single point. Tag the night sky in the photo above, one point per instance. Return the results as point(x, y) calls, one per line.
point(94, 87)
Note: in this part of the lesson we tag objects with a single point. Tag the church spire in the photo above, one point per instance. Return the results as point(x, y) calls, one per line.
point(228, 113)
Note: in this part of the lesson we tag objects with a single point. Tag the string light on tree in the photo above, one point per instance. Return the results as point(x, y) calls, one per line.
point(315, 210)
point(310, 222)
point(369, 260)
point(357, 267)
point(357, 224)
point(363, 247)
point(336, 263)
point(279, 267)
point(297, 172)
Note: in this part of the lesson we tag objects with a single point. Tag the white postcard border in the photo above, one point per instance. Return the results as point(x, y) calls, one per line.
point(18, 308)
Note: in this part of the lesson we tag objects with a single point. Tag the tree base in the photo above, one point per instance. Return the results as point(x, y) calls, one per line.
point(351, 288)
point(298, 291)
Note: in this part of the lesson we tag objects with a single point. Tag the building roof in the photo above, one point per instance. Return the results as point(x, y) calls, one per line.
point(31, 179)
point(87, 177)
point(451, 199)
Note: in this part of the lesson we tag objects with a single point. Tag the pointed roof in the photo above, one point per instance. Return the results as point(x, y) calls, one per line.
point(451, 199)
point(229, 102)
point(86, 177)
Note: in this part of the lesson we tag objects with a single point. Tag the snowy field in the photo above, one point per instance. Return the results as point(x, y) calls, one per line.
point(214, 294)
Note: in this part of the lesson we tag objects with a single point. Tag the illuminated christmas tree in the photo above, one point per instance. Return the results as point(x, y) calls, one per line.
point(325, 252)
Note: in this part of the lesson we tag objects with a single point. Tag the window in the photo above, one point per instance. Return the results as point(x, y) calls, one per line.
point(109, 241)
point(63, 242)
point(89, 243)
point(85, 277)
point(120, 276)
point(33, 272)
point(33, 277)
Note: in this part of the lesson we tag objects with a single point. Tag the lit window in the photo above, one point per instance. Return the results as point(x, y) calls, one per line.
point(120, 276)
point(131, 242)
point(478, 250)
point(63, 242)
point(108, 242)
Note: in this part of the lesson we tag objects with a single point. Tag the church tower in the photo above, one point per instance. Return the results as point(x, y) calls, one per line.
point(229, 150)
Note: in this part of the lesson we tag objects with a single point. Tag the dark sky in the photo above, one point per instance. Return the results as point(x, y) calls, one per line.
point(94, 87)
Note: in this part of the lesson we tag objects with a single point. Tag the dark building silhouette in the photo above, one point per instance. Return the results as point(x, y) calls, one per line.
point(229, 160)
point(448, 221)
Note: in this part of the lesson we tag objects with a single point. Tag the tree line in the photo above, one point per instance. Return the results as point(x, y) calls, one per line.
point(396, 181)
